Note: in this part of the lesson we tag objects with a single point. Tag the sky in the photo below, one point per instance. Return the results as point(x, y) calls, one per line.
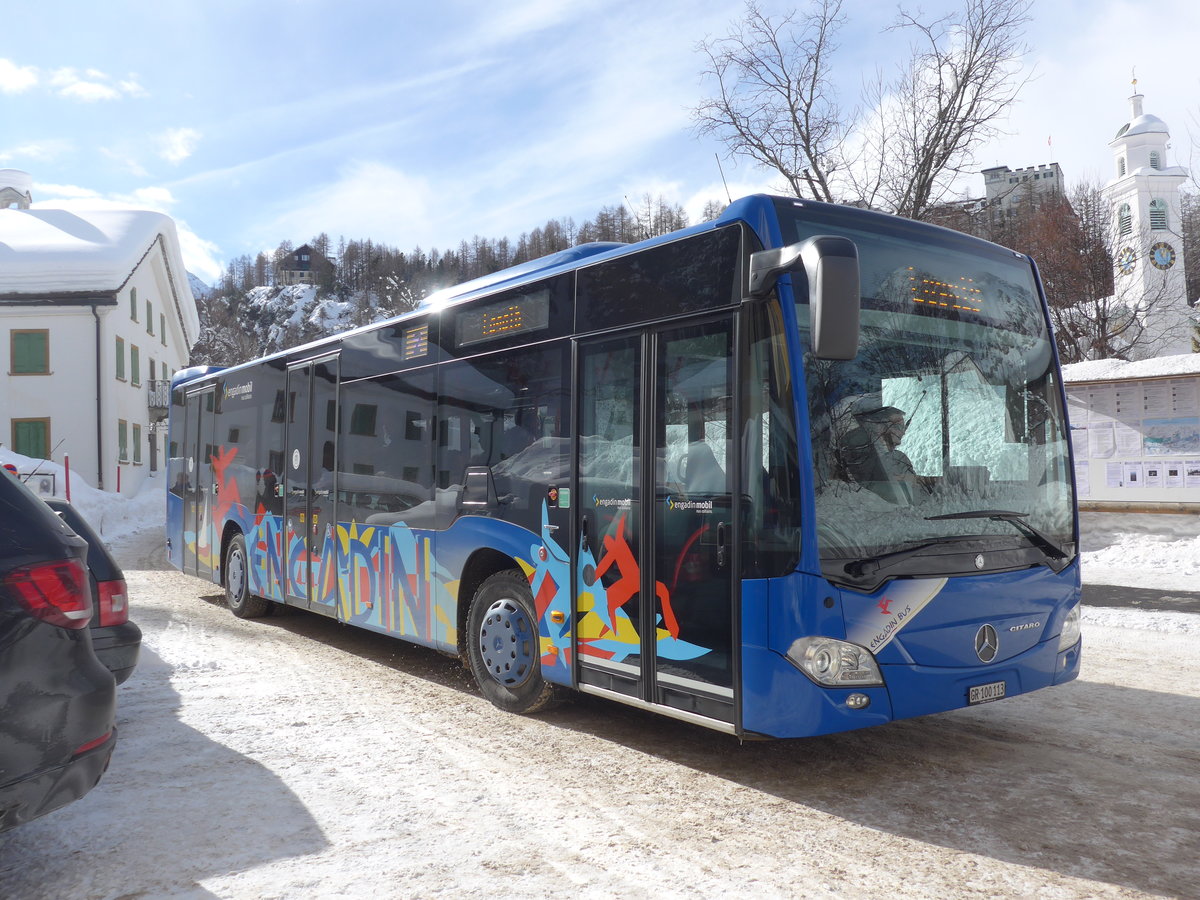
point(419, 124)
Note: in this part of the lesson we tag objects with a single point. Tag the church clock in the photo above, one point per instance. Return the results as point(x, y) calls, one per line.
point(1126, 260)
point(1162, 255)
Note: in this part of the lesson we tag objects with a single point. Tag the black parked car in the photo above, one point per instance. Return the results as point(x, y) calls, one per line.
point(116, 640)
point(57, 700)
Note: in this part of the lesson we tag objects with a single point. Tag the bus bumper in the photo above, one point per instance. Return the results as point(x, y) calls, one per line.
point(779, 701)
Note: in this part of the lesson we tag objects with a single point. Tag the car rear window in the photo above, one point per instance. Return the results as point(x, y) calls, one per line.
point(28, 527)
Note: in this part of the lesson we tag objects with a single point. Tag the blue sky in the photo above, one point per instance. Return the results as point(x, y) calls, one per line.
point(423, 124)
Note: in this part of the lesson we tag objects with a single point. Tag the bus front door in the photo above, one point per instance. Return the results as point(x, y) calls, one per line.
point(198, 488)
point(655, 517)
point(308, 485)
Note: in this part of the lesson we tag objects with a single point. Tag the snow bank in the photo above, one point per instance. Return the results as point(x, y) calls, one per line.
point(114, 516)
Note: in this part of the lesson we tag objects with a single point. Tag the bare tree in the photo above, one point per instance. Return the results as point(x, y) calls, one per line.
point(775, 102)
point(949, 97)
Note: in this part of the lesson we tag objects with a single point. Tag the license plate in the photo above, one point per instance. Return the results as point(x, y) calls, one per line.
point(985, 693)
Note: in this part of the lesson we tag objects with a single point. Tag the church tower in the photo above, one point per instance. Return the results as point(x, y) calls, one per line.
point(1146, 233)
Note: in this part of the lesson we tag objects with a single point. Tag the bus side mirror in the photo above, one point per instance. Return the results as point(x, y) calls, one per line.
point(831, 264)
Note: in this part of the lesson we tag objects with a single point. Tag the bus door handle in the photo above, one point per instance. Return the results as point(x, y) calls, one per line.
point(583, 532)
point(722, 544)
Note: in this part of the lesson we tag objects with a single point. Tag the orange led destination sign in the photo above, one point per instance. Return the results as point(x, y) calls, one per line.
point(525, 312)
point(961, 294)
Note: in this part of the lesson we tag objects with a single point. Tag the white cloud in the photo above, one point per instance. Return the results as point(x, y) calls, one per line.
point(200, 257)
point(52, 194)
point(368, 199)
point(35, 150)
point(93, 85)
point(176, 144)
point(14, 79)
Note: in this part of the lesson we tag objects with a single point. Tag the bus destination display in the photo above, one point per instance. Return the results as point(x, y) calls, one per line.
point(526, 312)
point(962, 294)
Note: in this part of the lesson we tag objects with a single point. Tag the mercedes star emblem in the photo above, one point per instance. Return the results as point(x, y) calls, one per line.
point(987, 644)
point(979, 560)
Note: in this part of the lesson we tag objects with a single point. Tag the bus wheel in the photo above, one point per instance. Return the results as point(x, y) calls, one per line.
point(238, 598)
point(503, 645)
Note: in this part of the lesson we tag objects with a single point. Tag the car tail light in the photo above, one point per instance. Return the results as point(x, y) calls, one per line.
point(55, 592)
point(112, 602)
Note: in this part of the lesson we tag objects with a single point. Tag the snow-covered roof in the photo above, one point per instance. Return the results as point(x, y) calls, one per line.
point(48, 251)
point(1120, 370)
point(1144, 124)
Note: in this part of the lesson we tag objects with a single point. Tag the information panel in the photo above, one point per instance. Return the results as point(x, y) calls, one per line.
point(1137, 440)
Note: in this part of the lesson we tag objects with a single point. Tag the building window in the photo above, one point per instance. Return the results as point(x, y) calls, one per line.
point(135, 368)
point(30, 352)
point(362, 419)
point(120, 359)
point(133, 304)
point(1158, 215)
point(137, 445)
point(1120, 167)
point(122, 440)
point(1155, 160)
point(1124, 220)
point(31, 437)
point(162, 328)
point(152, 367)
point(149, 318)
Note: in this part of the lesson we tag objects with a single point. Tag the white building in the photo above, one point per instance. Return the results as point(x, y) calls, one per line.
point(95, 316)
point(1146, 241)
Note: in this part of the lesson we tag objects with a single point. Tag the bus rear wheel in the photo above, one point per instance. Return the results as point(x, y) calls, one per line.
point(503, 646)
point(238, 598)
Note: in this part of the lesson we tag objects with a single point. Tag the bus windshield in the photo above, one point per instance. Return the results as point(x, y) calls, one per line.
point(947, 427)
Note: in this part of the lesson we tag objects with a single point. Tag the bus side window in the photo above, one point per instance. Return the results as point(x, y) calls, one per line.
point(769, 440)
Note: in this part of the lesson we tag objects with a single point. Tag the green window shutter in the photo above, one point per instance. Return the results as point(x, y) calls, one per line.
point(31, 352)
point(135, 368)
point(121, 358)
point(137, 444)
point(29, 439)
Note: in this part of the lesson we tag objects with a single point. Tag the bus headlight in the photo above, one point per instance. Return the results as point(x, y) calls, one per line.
point(834, 663)
point(1072, 629)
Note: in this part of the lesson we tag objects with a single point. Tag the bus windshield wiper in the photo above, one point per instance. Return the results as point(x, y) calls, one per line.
point(872, 564)
point(1017, 520)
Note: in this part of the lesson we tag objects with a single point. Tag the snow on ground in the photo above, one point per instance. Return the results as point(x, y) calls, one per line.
point(292, 757)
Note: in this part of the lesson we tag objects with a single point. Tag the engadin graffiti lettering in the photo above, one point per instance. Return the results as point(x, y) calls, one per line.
point(387, 578)
point(877, 621)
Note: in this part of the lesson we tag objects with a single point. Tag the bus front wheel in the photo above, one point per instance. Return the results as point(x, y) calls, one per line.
point(238, 598)
point(503, 645)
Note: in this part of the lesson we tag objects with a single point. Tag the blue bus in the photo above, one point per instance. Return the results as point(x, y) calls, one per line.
point(798, 470)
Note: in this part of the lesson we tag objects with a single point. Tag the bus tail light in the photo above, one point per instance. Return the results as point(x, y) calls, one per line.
point(834, 663)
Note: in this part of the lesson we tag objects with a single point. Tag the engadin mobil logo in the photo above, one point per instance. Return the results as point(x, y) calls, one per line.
point(239, 391)
point(700, 506)
point(609, 502)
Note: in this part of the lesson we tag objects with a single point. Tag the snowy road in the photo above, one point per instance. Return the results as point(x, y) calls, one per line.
point(292, 757)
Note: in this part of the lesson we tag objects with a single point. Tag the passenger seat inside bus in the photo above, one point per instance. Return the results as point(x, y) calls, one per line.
point(703, 474)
